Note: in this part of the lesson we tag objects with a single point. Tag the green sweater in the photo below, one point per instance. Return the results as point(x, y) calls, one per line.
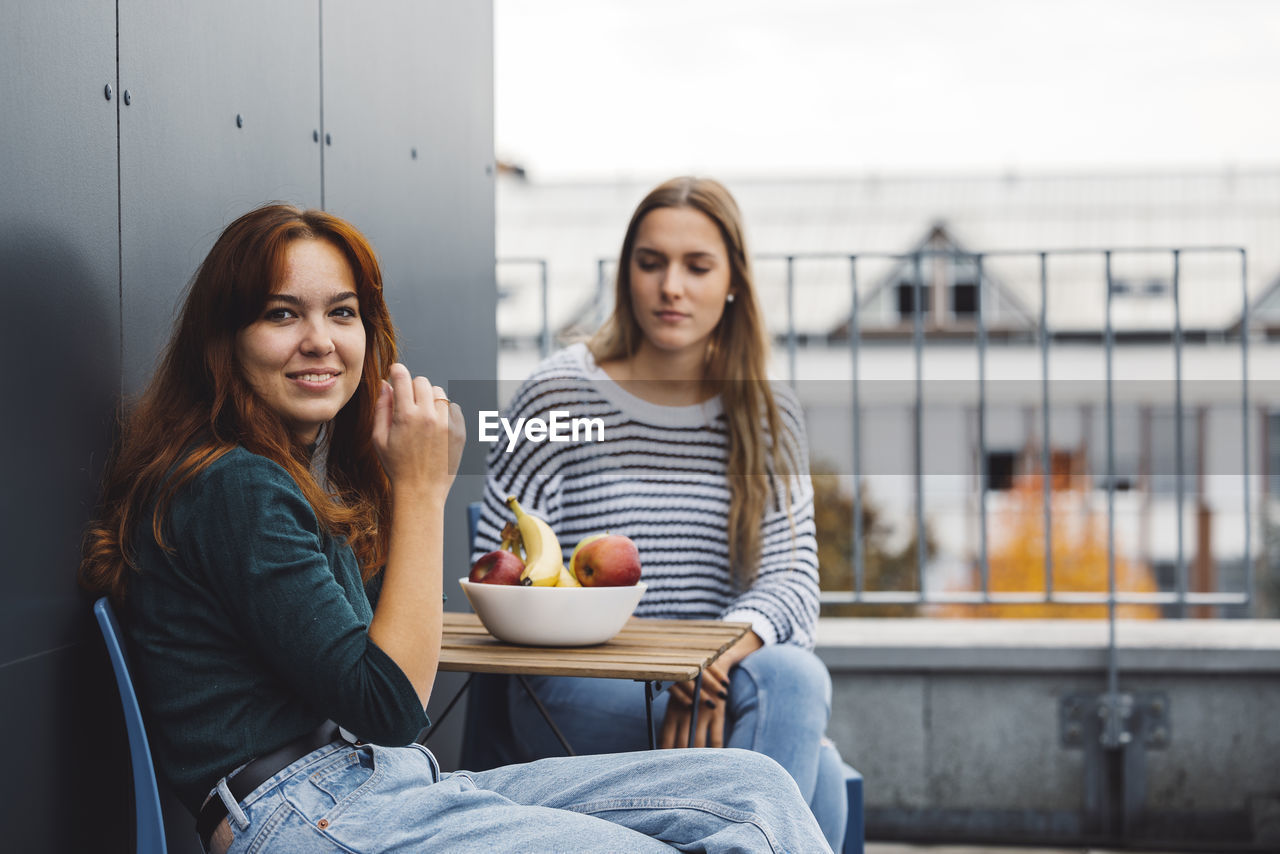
point(253, 630)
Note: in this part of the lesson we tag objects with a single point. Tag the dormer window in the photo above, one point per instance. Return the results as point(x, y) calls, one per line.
point(907, 300)
point(964, 300)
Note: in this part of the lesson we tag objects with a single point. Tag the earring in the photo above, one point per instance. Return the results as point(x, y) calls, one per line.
point(729, 298)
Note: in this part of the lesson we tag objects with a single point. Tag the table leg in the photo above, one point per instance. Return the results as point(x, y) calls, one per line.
point(431, 727)
point(648, 712)
point(697, 701)
point(546, 716)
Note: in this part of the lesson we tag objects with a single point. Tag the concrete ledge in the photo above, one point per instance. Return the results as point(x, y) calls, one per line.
point(921, 645)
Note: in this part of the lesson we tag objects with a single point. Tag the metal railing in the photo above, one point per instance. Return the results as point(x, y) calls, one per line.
point(1181, 597)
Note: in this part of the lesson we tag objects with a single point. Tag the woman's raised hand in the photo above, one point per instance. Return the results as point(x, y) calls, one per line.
point(417, 432)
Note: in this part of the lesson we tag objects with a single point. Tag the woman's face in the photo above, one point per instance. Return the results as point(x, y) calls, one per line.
point(304, 354)
point(679, 278)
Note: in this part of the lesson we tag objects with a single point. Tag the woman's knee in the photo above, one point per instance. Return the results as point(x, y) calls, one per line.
point(737, 764)
point(784, 668)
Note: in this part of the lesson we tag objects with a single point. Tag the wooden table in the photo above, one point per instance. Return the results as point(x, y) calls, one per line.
point(650, 651)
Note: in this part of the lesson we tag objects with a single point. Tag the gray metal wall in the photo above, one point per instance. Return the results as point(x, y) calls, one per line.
point(378, 111)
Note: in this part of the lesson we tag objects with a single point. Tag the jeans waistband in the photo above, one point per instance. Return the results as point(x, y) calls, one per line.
point(255, 773)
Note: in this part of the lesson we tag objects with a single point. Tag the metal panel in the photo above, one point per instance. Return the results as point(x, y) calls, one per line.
point(408, 113)
point(220, 113)
point(59, 277)
point(60, 281)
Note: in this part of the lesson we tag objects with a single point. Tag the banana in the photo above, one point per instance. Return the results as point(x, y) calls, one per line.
point(543, 558)
point(566, 579)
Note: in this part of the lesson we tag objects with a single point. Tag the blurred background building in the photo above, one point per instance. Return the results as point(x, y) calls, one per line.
point(1044, 327)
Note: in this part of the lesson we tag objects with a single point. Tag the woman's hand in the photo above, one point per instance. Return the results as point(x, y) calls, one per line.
point(710, 732)
point(417, 433)
point(714, 694)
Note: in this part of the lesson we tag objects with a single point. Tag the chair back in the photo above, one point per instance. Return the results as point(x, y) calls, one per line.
point(148, 818)
point(473, 523)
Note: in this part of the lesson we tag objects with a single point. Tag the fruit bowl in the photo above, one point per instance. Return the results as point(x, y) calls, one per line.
point(552, 616)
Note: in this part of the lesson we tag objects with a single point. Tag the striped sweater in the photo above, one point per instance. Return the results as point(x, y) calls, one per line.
point(659, 477)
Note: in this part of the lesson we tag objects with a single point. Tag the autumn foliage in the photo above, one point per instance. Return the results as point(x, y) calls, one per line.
point(1079, 553)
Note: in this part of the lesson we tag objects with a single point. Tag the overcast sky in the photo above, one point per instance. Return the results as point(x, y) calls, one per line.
point(607, 88)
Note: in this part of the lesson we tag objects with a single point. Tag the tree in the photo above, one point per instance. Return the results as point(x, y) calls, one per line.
point(1079, 551)
point(883, 569)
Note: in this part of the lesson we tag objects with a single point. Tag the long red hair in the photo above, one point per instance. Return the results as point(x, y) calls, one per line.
point(199, 405)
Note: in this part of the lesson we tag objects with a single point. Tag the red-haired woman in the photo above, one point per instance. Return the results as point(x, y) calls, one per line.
point(278, 461)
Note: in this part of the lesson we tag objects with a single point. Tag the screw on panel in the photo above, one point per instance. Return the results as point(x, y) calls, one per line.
point(315, 136)
point(413, 153)
point(128, 99)
point(328, 139)
point(106, 91)
point(239, 120)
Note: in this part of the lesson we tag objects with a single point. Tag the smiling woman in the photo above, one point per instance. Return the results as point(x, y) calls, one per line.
point(303, 356)
point(282, 696)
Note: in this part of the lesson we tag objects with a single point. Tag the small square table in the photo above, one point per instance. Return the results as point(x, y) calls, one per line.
point(650, 651)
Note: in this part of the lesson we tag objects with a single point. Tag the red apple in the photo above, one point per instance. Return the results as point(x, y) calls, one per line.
point(497, 567)
point(606, 560)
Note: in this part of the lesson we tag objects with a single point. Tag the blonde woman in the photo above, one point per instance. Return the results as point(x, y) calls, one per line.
point(704, 465)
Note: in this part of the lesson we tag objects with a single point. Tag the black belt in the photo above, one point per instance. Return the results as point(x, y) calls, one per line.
point(260, 770)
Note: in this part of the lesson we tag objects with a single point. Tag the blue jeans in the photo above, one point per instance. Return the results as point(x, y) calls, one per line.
point(779, 704)
point(345, 798)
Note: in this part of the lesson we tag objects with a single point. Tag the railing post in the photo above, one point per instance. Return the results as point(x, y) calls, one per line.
point(791, 320)
point(546, 312)
point(1046, 454)
point(917, 340)
point(854, 341)
point(1178, 437)
point(1112, 732)
point(600, 291)
point(984, 565)
point(1249, 569)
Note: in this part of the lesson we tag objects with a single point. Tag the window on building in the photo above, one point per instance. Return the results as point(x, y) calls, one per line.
point(1001, 467)
point(1273, 454)
point(907, 300)
point(964, 300)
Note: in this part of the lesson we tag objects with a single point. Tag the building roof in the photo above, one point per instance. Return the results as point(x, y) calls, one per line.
point(577, 228)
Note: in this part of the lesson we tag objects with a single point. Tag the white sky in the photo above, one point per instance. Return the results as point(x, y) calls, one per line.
point(611, 88)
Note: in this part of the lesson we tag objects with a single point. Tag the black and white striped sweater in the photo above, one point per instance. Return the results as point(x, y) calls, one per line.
point(659, 477)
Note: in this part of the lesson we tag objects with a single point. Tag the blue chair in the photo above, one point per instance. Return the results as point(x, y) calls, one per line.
point(854, 829)
point(148, 818)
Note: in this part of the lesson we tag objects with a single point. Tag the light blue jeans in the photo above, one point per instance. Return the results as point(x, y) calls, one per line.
point(779, 705)
point(345, 798)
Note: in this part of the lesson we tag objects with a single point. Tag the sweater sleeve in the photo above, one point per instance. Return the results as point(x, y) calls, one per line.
point(256, 540)
point(782, 603)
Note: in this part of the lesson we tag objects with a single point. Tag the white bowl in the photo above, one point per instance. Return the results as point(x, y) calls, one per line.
point(552, 616)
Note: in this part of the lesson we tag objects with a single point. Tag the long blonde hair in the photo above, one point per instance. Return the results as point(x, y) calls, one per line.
point(762, 455)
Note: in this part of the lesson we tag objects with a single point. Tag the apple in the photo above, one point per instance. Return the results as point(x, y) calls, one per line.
point(497, 567)
point(605, 560)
